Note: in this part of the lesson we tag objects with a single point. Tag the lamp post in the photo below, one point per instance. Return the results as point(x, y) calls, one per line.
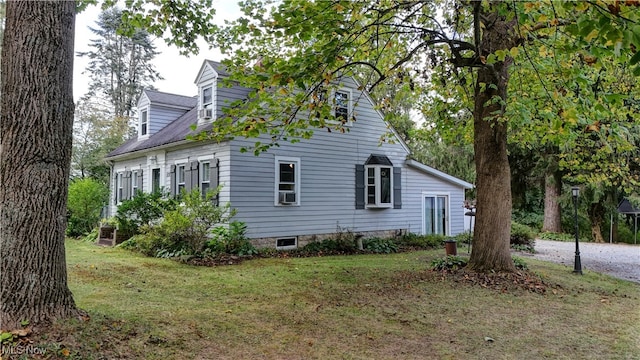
point(577, 267)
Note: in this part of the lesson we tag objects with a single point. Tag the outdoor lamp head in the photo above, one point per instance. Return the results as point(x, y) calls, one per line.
point(575, 191)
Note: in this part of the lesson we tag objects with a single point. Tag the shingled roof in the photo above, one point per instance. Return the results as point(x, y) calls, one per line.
point(159, 97)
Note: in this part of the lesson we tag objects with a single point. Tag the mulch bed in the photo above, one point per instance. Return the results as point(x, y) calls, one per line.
point(501, 282)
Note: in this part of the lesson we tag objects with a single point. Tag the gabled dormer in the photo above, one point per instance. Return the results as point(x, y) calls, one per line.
point(207, 82)
point(158, 109)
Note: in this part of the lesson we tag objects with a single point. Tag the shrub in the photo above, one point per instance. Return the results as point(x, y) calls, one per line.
point(520, 263)
point(380, 246)
point(521, 234)
point(184, 230)
point(450, 262)
point(231, 239)
point(421, 241)
point(85, 202)
point(143, 209)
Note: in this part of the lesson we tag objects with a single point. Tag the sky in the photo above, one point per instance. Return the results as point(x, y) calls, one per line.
point(179, 72)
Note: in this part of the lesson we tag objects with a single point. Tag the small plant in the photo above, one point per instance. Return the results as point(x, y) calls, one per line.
point(6, 338)
point(521, 234)
point(524, 248)
point(520, 263)
point(231, 240)
point(380, 246)
point(450, 262)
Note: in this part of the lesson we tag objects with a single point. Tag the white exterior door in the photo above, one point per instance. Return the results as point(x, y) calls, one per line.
point(435, 214)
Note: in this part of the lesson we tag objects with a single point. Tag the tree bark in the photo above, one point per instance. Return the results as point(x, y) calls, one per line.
point(552, 216)
point(493, 214)
point(35, 152)
point(596, 216)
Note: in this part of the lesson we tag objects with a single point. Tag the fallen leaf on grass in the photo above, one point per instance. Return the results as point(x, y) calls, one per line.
point(488, 339)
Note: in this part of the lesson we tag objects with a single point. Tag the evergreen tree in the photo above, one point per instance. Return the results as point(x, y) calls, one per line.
point(120, 65)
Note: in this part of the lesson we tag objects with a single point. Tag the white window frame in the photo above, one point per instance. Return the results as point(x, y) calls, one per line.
point(377, 185)
point(144, 110)
point(134, 182)
point(209, 105)
point(287, 247)
point(182, 166)
point(119, 187)
point(151, 171)
point(204, 179)
point(348, 107)
point(296, 180)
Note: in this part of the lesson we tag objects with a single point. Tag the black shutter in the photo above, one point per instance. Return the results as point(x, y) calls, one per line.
point(214, 178)
point(397, 188)
point(359, 186)
point(172, 176)
point(139, 180)
point(126, 186)
point(191, 176)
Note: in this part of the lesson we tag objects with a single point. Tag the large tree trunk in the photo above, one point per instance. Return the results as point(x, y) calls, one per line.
point(552, 216)
point(493, 214)
point(35, 152)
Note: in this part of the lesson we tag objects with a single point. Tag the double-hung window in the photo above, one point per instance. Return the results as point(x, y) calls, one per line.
point(134, 182)
point(180, 178)
point(205, 177)
point(144, 122)
point(379, 187)
point(341, 106)
point(287, 181)
point(120, 187)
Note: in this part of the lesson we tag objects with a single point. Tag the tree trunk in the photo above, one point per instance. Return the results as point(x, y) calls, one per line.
point(552, 219)
point(35, 152)
point(596, 217)
point(493, 214)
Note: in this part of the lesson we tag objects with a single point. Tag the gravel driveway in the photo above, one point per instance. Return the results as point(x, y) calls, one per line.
point(619, 260)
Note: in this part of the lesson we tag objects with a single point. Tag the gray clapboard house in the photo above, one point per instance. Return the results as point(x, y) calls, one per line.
point(294, 193)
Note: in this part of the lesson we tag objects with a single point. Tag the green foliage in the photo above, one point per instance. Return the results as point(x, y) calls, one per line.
point(450, 262)
point(519, 263)
point(143, 209)
point(231, 239)
point(421, 241)
point(556, 236)
point(521, 234)
point(533, 220)
point(185, 229)
point(380, 245)
point(85, 202)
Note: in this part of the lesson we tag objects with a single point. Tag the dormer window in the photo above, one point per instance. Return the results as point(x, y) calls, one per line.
point(144, 122)
point(206, 102)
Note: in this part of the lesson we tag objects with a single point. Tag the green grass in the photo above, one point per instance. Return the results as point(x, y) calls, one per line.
point(345, 307)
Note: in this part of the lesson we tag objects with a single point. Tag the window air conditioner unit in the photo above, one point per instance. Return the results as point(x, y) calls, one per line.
point(287, 197)
point(205, 113)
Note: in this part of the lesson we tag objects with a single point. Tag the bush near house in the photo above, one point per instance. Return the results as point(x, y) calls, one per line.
point(143, 209)
point(196, 227)
point(85, 201)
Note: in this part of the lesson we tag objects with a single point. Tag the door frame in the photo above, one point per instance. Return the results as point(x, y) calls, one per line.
point(434, 194)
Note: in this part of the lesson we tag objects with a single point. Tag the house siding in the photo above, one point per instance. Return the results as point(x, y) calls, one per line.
point(327, 194)
point(161, 116)
point(194, 151)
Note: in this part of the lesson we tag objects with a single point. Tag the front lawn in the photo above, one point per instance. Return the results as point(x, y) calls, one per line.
point(337, 307)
